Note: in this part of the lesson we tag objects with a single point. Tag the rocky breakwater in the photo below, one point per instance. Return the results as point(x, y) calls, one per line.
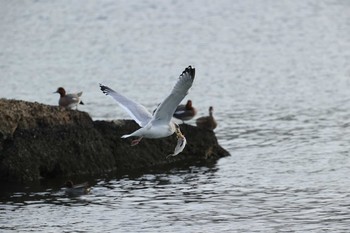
point(40, 141)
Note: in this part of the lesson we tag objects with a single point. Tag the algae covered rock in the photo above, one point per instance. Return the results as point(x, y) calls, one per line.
point(40, 141)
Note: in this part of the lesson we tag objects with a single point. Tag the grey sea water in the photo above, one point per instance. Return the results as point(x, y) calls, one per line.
point(276, 72)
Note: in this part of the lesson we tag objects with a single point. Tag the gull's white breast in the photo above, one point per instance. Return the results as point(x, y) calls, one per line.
point(158, 130)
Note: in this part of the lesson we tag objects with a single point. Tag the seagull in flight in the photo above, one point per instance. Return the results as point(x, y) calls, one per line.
point(159, 124)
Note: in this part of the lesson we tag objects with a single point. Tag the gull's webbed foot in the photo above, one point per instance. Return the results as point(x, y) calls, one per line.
point(136, 141)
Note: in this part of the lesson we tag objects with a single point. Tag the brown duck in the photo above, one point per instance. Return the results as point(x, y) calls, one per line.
point(207, 122)
point(78, 189)
point(68, 100)
point(185, 112)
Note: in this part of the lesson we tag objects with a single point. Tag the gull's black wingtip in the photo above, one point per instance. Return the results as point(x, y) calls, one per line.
point(190, 70)
point(104, 89)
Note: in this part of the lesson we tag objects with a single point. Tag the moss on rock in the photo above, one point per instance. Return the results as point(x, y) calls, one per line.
point(40, 141)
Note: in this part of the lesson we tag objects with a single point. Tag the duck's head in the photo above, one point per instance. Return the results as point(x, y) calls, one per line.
point(189, 104)
point(61, 91)
point(69, 184)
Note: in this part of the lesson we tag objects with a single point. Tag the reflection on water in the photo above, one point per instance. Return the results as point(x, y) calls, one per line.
point(276, 72)
point(199, 198)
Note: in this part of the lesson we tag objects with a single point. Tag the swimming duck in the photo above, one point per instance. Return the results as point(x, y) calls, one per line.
point(185, 112)
point(159, 124)
point(68, 100)
point(207, 122)
point(75, 190)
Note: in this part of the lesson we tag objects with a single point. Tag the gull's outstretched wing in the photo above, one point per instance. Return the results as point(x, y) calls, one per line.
point(166, 109)
point(138, 112)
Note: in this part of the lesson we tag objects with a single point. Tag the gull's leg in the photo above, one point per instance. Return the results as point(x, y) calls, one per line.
point(136, 141)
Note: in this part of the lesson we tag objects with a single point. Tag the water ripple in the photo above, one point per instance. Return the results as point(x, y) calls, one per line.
point(276, 72)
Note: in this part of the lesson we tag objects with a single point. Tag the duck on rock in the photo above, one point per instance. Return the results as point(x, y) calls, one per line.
point(185, 112)
point(207, 122)
point(69, 100)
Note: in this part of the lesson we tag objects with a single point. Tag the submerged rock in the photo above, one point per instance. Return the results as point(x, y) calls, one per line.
point(40, 141)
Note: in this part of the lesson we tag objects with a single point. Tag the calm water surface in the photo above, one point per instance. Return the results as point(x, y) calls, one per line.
point(276, 72)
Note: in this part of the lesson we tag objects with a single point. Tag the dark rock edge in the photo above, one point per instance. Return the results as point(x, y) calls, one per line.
point(39, 141)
